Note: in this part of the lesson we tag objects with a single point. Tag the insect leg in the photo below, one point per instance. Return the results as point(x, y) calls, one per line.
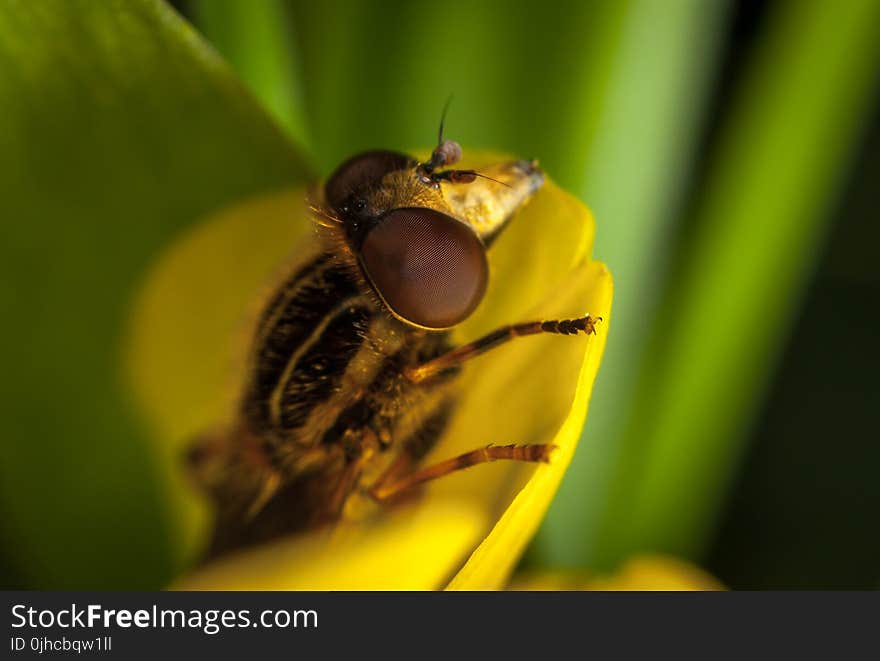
point(347, 481)
point(419, 373)
point(390, 485)
point(360, 446)
point(417, 445)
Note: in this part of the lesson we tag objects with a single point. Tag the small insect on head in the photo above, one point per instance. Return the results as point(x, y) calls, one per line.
point(420, 232)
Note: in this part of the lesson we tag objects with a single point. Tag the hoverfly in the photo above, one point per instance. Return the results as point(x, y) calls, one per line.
point(352, 369)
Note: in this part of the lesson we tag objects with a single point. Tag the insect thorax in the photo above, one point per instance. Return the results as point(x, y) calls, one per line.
point(326, 373)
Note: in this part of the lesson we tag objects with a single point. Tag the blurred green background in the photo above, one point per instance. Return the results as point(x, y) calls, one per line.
point(730, 151)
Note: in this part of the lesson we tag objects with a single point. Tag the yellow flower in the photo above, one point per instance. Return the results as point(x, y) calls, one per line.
point(469, 529)
point(647, 571)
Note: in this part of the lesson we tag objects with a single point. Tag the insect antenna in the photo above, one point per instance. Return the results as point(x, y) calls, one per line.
point(443, 119)
point(447, 152)
point(464, 177)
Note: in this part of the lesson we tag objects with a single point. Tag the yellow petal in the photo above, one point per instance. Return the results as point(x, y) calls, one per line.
point(657, 572)
point(187, 329)
point(641, 572)
point(418, 547)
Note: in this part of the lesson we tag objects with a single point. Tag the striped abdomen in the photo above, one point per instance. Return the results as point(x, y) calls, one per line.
point(327, 365)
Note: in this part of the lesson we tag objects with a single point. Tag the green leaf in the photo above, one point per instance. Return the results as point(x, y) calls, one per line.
point(258, 41)
point(805, 97)
point(659, 71)
point(118, 128)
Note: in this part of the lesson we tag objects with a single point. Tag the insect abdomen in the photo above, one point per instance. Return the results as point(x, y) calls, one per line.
point(305, 338)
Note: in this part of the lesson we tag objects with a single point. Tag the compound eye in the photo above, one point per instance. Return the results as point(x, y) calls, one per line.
point(429, 268)
point(360, 173)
